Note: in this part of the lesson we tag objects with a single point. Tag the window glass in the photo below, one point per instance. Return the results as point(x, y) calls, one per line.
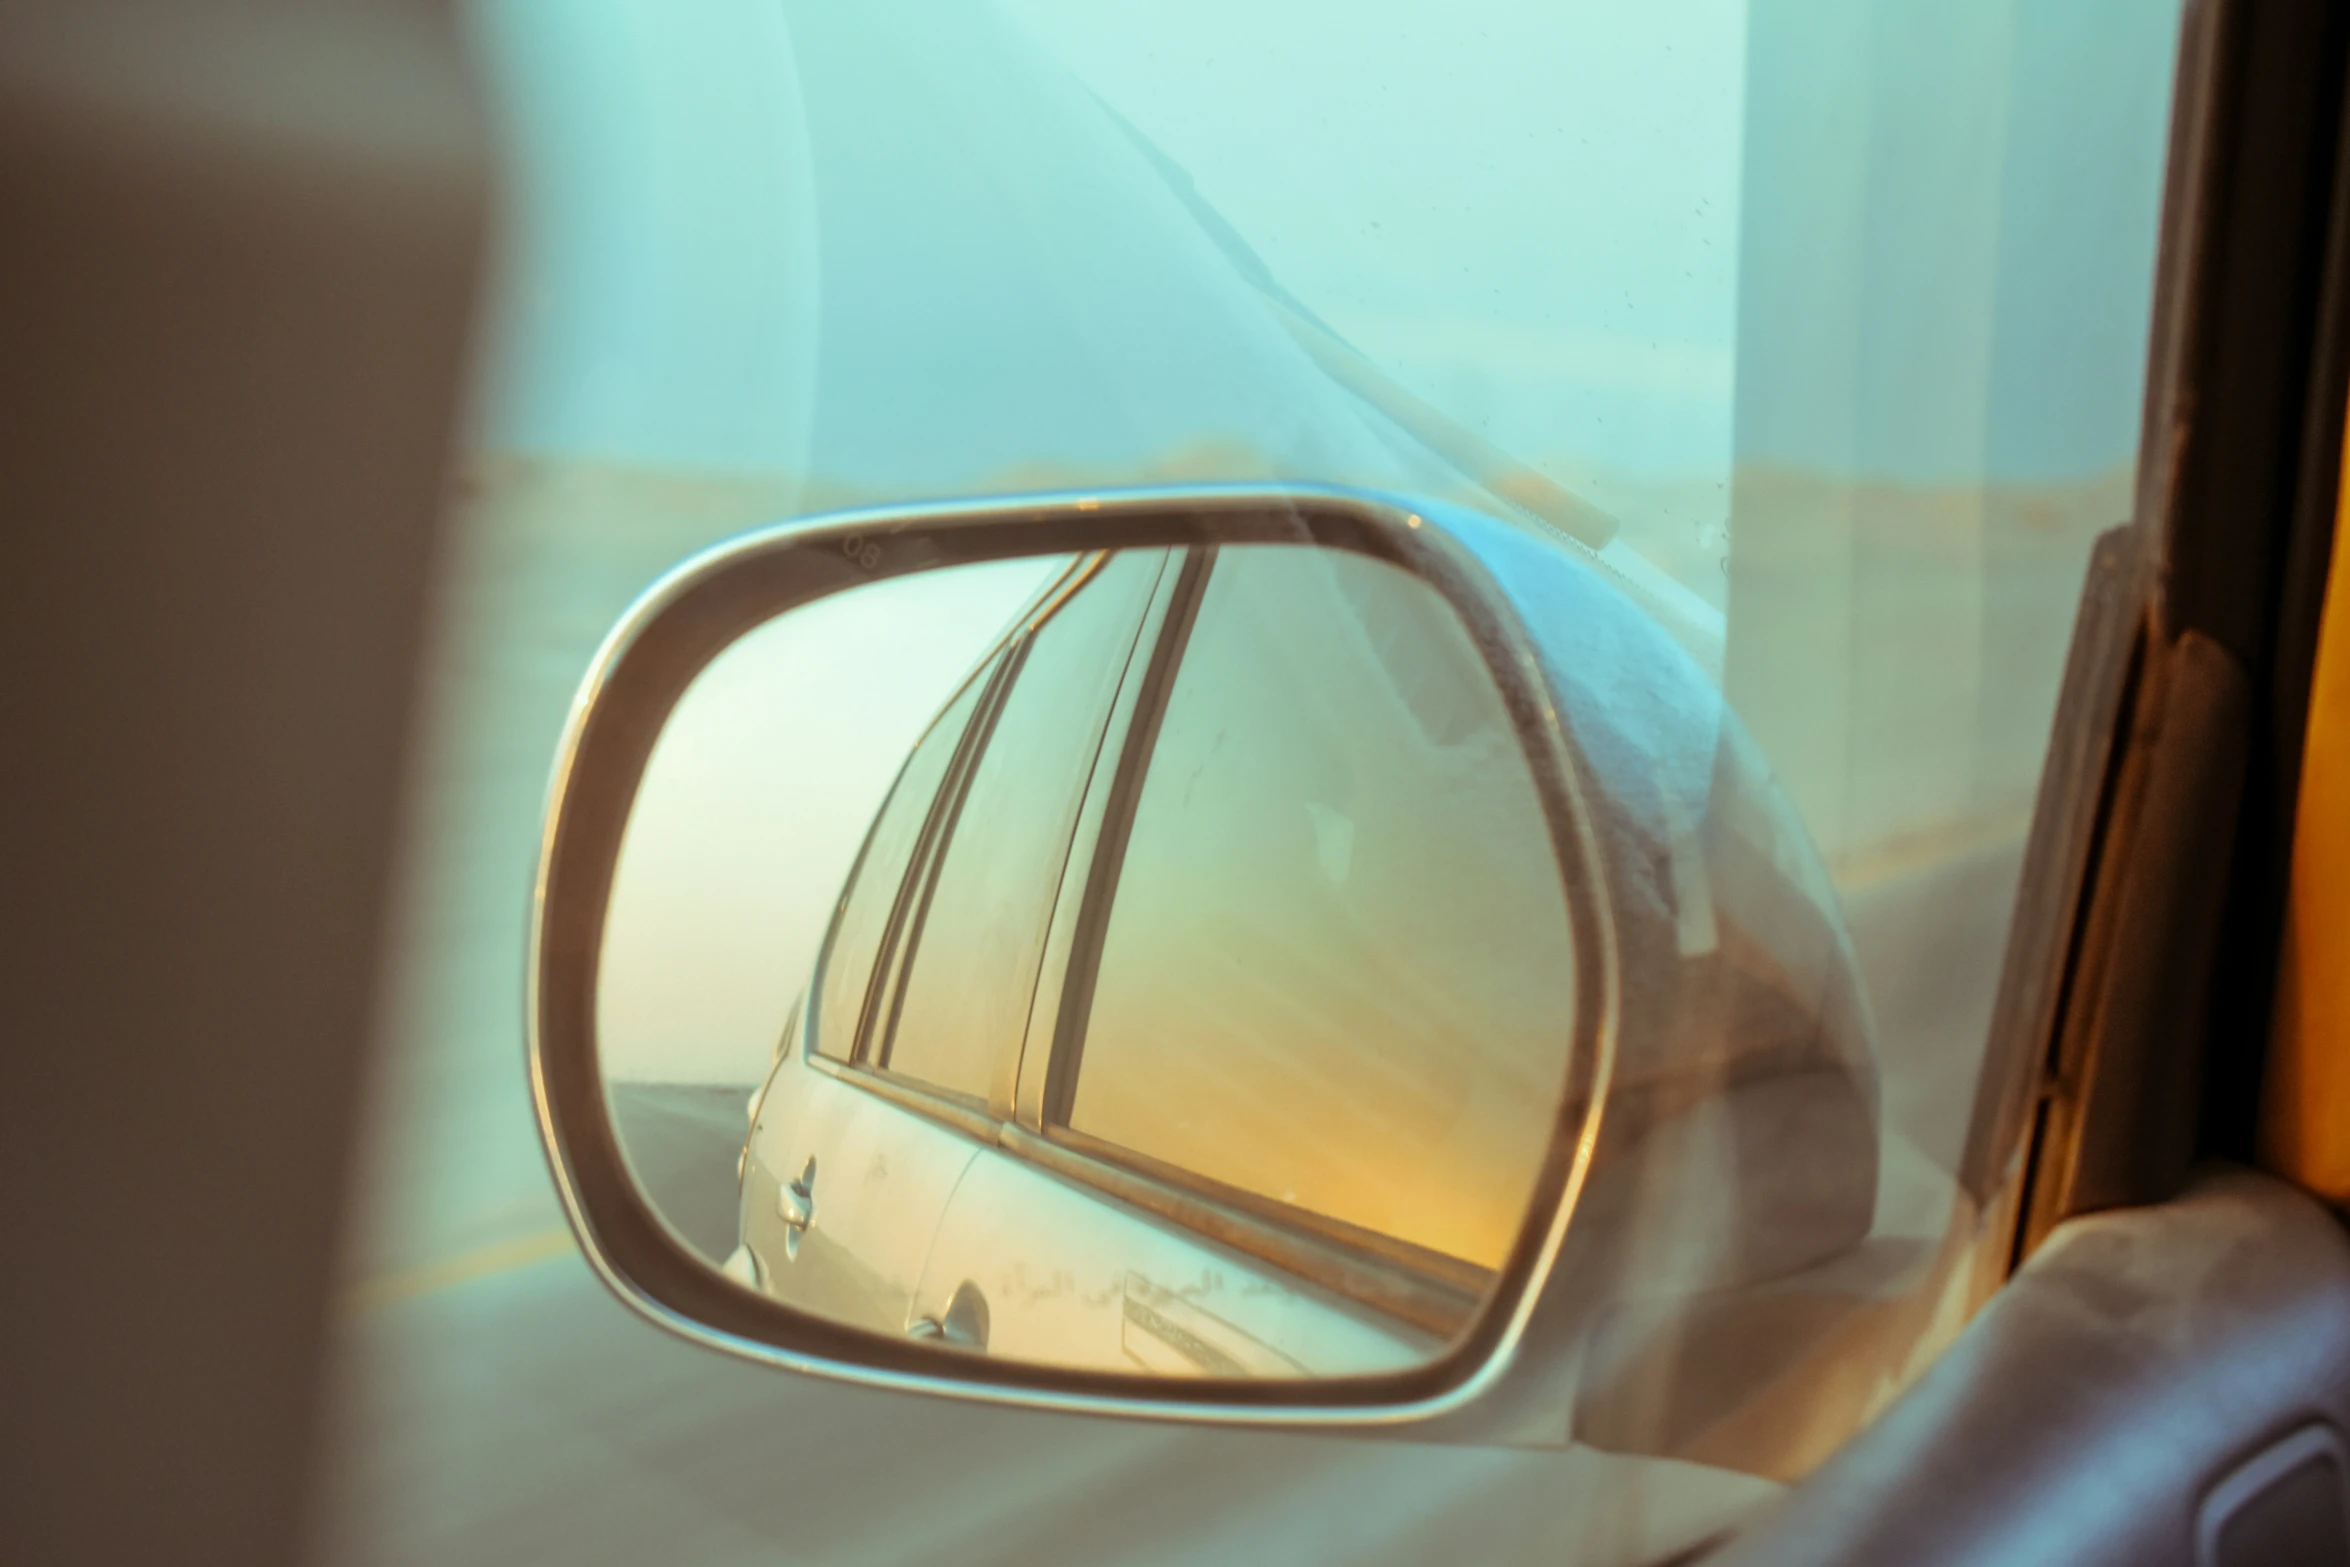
point(1337, 970)
point(873, 890)
point(1832, 312)
point(972, 959)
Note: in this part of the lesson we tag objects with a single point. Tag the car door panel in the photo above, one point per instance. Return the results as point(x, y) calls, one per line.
point(851, 1163)
point(872, 1178)
point(2096, 1410)
point(1072, 1277)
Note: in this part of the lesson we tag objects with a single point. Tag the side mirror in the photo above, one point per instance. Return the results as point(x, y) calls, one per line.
point(1186, 954)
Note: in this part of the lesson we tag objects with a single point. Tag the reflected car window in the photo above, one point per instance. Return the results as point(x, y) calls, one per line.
point(1324, 854)
point(865, 914)
point(979, 929)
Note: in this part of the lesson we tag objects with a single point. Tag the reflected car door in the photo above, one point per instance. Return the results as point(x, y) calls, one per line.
point(1033, 1264)
point(840, 1191)
point(1324, 841)
point(920, 1004)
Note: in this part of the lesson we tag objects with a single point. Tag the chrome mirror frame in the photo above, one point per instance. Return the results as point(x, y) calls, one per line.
point(702, 606)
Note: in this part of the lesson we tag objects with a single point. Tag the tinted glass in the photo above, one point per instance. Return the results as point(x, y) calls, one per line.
point(1337, 842)
point(973, 963)
point(873, 891)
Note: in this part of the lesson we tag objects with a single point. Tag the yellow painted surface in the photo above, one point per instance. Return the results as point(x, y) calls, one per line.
point(2305, 1113)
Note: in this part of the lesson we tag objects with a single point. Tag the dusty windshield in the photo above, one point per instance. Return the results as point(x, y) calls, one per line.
point(1818, 330)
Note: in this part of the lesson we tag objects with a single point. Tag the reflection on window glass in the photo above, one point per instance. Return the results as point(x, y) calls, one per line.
point(1837, 308)
point(1337, 970)
point(973, 957)
point(873, 888)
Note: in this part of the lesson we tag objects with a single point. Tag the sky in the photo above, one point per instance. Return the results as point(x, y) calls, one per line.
point(754, 803)
point(903, 246)
point(910, 246)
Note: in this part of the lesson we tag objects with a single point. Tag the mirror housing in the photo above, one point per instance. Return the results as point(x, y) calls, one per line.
point(1714, 1002)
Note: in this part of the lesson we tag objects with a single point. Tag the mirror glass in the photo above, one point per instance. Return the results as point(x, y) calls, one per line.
point(1153, 961)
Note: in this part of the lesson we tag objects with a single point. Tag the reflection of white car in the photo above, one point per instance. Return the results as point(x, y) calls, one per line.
point(1199, 998)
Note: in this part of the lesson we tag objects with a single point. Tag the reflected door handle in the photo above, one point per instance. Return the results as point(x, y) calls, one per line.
point(963, 1324)
point(795, 1204)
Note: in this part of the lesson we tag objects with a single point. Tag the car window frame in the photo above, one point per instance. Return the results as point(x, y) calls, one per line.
point(1431, 1290)
point(910, 906)
point(983, 672)
point(930, 863)
point(1426, 1289)
point(977, 1117)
